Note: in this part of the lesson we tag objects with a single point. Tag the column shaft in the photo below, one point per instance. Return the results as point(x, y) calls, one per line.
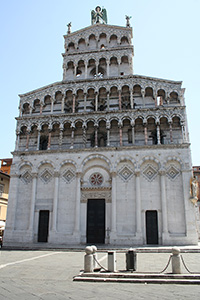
point(38, 141)
point(163, 202)
point(114, 210)
point(120, 100)
point(55, 203)
point(32, 208)
point(138, 203)
point(145, 134)
point(78, 198)
point(158, 134)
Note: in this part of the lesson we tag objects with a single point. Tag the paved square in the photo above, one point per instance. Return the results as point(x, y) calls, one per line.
point(49, 275)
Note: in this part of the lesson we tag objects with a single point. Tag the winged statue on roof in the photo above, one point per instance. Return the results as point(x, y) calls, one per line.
point(99, 16)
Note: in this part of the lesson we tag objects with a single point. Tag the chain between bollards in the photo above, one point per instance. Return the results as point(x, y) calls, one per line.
point(99, 264)
point(166, 265)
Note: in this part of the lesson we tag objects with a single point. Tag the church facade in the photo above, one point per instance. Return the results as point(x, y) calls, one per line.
point(103, 156)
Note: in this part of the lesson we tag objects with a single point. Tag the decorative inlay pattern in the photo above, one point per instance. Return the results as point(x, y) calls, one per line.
point(26, 177)
point(68, 175)
point(150, 173)
point(125, 173)
point(172, 172)
point(96, 179)
point(46, 176)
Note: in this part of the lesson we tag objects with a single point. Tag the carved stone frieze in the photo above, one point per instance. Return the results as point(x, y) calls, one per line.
point(98, 193)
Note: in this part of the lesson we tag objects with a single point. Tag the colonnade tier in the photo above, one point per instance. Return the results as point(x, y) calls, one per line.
point(101, 99)
point(104, 133)
point(97, 40)
point(101, 66)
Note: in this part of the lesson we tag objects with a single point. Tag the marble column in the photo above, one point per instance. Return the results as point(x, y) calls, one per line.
point(138, 203)
point(143, 96)
point(55, 201)
point(158, 133)
point(163, 202)
point(86, 70)
point(133, 131)
point(63, 104)
point(120, 136)
point(96, 101)
point(72, 137)
point(120, 100)
point(171, 134)
point(78, 203)
point(96, 136)
point(85, 102)
point(108, 134)
point(33, 199)
point(27, 139)
point(108, 68)
point(84, 135)
point(17, 140)
point(183, 131)
point(73, 103)
point(61, 136)
point(38, 140)
point(131, 98)
point(145, 134)
point(108, 102)
point(49, 140)
point(114, 208)
point(41, 108)
point(20, 111)
point(52, 104)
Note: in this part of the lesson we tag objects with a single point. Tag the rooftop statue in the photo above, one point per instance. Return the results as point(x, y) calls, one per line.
point(99, 16)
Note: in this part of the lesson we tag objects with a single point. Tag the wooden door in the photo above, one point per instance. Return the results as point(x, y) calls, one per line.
point(152, 227)
point(43, 226)
point(96, 221)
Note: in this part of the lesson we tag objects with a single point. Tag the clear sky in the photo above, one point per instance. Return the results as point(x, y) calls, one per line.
point(166, 38)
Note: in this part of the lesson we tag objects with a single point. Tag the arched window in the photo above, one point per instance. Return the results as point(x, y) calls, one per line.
point(43, 142)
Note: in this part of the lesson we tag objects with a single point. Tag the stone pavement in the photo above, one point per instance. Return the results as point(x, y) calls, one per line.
point(48, 274)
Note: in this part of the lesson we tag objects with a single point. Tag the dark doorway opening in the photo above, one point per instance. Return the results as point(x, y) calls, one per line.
point(152, 227)
point(43, 226)
point(96, 221)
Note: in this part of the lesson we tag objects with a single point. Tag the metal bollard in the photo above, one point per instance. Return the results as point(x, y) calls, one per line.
point(111, 261)
point(88, 260)
point(176, 261)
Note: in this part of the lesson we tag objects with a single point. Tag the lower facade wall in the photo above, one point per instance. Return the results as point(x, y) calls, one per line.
point(123, 197)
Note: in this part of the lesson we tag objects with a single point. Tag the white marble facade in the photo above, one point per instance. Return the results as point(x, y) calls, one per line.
point(102, 135)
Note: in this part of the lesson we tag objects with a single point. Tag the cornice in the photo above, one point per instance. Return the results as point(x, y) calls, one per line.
point(67, 83)
point(98, 27)
point(106, 114)
point(103, 149)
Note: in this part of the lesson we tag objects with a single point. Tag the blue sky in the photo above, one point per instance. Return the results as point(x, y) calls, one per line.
point(166, 38)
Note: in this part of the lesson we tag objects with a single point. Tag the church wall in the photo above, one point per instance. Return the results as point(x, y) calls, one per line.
point(66, 199)
point(22, 213)
point(126, 209)
point(175, 199)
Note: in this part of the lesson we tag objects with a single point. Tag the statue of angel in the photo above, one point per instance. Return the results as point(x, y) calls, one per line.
point(99, 16)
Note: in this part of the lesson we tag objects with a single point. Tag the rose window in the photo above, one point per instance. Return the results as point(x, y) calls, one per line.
point(96, 179)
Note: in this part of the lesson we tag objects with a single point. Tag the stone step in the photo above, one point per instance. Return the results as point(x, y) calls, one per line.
point(140, 278)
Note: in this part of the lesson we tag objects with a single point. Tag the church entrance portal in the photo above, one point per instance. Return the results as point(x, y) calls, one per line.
point(152, 227)
point(96, 221)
